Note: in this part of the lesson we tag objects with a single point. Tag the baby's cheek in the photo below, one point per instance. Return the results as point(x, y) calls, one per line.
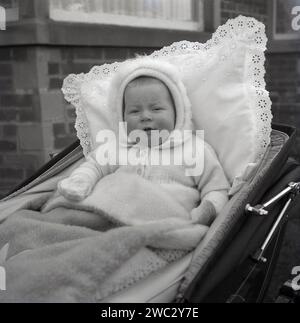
point(130, 125)
point(167, 123)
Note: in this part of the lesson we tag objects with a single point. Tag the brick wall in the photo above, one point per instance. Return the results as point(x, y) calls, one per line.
point(20, 128)
point(35, 120)
point(283, 83)
point(253, 8)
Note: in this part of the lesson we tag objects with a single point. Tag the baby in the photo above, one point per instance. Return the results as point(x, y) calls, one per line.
point(150, 96)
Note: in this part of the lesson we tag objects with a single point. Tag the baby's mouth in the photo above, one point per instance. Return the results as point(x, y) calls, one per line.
point(148, 129)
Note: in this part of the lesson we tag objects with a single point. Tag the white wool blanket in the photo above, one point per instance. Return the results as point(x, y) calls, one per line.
point(130, 200)
point(61, 251)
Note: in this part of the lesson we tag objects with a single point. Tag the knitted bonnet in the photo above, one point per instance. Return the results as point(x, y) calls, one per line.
point(166, 72)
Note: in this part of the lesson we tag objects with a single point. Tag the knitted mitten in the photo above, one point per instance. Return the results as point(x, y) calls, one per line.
point(204, 214)
point(76, 187)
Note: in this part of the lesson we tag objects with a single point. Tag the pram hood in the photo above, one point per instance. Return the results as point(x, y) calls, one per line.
point(161, 70)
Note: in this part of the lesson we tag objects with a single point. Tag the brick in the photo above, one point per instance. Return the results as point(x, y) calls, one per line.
point(298, 66)
point(25, 77)
point(21, 160)
point(5, 54)
point(231, 6)
point(6, 70)
point(20, 54)
point(59, 129)
point(262, 11)
point(8, 114)
point(76, 68)
point(53, 54)
point(25, 100)
point(48, 139)
point(63, 142)
point(67, 54)
point(52, 106)
point(29, 115)
point(11, 173)
point(6, 85)
point(9, 130)
point(68, 68)
point(55, 83)
point(16, 100)
point(53, 68)
point(30, 137)
point(7, 145)
point(7, 100)
point(115, 53)
point(88, 53)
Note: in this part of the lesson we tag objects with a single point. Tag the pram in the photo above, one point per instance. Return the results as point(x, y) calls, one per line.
point(234, 261)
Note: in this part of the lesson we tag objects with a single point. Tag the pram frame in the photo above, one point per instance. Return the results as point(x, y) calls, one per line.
point(241, 278)
point(190, 296)
point(293, 190)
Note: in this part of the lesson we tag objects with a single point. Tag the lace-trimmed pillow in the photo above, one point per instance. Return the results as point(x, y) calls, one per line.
point(88, 94)
point(224, 78)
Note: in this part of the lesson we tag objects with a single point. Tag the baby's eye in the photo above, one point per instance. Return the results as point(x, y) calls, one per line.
point(157, 108)
point(134, 111)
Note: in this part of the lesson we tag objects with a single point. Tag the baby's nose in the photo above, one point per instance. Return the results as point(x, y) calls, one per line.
point(146, 115)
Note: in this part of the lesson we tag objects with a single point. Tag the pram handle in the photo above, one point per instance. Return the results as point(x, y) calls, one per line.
point(259, 209)
point(293, 189)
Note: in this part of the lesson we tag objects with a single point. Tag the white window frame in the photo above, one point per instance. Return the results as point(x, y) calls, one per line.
point(125, 20)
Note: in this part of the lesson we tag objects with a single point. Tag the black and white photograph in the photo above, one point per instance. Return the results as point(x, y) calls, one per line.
point(149, 154)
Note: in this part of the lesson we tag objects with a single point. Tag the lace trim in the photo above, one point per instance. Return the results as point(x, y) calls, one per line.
point(240, 29)
point(72, 90)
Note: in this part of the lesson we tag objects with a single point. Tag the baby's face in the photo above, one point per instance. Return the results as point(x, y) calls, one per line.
point(149, 106)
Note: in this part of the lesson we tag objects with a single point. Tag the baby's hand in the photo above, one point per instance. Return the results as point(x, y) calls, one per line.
point(204, 214)
point(75, 188)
